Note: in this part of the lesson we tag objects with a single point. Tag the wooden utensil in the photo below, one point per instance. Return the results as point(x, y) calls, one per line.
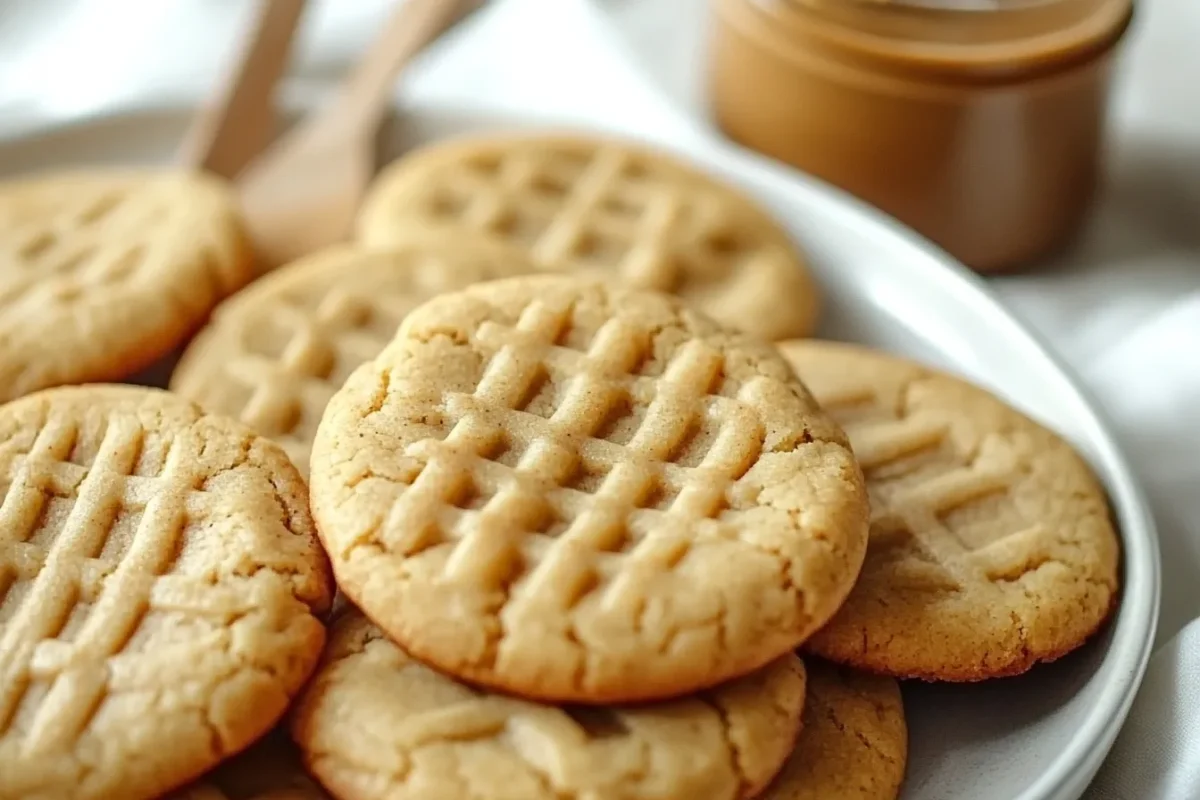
point(240, 120)
point(302, 193)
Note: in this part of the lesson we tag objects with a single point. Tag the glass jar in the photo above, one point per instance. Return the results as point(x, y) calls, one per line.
point(980, 123)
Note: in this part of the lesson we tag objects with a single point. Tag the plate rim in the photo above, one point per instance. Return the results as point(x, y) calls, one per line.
point(1135, 619)
point(1067, 775)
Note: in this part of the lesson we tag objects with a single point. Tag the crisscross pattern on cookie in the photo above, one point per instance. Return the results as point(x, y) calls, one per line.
point(101, 274)
point(111, 586)
point(295, 352)
point(453, 740)
point(559, 454)
point(655, 222)
point(991, 546)
point(277, 352)
point(610, 207)
point(924, 489)
point(607, 457)
point(75, 595)
point(66, 240)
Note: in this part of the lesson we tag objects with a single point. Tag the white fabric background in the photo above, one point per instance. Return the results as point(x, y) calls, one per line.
point(1123, 307)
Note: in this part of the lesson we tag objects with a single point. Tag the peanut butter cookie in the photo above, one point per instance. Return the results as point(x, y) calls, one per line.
point(577, 492)
point(103, 273)
point(991, 544)
point(160, 581)
point(270, 770)
point(854, 743)
point(376, 724)
point(581, 201)
point(276, 352)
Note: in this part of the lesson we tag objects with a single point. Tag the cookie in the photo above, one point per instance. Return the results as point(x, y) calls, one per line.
point(103, 273)
point(655, 221)
point(160, 581)
point(270, 770)
point(991, 544)
point(374, 723)
point(275, 353)
point(577, 492)
point(854, 743)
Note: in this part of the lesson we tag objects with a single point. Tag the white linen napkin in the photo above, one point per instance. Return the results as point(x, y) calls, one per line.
point(1150, 384)
point(1158, 752)
point(1124, 308)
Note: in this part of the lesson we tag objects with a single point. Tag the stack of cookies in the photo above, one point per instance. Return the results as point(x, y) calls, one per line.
point(601, 522)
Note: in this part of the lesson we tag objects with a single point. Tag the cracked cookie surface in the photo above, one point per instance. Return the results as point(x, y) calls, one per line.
point(374, 723)
point(854, 741)
point(991, 544)
point(102, 273)
point(576, 492)
point(648, 217)
point(160, 578)
point(274, 354)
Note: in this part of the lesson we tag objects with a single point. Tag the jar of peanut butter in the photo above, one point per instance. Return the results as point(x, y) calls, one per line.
point(977, 122)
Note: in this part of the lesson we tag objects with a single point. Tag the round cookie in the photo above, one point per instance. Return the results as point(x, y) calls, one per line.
point(991, 544)
point(160, 581)
point(374, 723)
point(583, 201)
point(854, 742)
point(274, 354)
point(270, 770)
point(573, 491)
point(103, 273)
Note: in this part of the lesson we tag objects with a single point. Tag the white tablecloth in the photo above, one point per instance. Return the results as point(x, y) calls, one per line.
point(1124, 307)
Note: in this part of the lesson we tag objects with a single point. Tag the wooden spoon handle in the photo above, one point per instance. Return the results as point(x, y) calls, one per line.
point(240, 121)
point(367, 93)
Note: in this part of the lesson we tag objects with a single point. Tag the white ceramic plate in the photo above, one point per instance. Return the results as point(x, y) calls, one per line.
point(1038, 737)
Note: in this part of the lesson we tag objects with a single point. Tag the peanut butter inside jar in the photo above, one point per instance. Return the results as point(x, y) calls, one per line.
point(977, 122)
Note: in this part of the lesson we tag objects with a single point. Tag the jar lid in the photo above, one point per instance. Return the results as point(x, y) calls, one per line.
point(980, 37)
